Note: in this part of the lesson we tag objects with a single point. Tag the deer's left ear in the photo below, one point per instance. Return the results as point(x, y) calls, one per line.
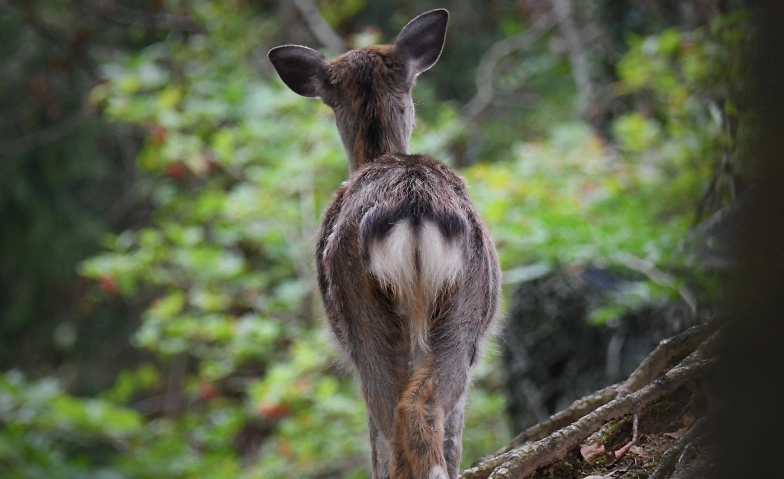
point(421, 41)
point(302, 69)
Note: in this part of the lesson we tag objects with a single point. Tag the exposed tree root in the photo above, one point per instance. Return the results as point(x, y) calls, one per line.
point(583, 418)
point(578, 409)
point(668, 351)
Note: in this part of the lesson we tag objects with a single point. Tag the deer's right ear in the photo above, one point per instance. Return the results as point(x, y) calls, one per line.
point(302, 69)
point(422, 40)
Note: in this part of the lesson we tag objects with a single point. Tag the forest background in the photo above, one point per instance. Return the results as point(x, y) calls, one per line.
point(160, 189)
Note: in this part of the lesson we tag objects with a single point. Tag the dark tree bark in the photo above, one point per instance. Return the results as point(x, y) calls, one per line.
point(749, 383)
point(553, 356)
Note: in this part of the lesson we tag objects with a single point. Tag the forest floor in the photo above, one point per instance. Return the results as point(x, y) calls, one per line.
point(612, 453)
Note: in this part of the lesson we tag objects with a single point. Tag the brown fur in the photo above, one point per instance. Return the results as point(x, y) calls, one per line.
point(415, 395)
point(372, 124)
point(418, 437)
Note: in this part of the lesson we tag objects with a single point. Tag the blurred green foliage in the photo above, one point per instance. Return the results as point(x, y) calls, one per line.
point(59, 178)
point(241, 381)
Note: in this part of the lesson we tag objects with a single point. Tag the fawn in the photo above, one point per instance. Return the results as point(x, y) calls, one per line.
point(408, 273)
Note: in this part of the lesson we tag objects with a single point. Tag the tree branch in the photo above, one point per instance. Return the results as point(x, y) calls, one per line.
point(58, 41)
point(485, 91)
point(151, 21)
point(649, 269)
point(575, 411)
point(41, 137)
point(665, 352)
point(320, 28)
point(528, 458)
point(578, 56)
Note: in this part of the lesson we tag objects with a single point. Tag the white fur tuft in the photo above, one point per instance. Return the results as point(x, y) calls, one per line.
point(392, 259)
point(436, 472)
point(393, 262)
point(441, 261)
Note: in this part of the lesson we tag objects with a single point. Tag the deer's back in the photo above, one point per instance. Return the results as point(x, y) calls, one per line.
point(413, 212)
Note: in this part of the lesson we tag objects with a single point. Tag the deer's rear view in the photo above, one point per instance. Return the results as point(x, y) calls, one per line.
point(407, 271)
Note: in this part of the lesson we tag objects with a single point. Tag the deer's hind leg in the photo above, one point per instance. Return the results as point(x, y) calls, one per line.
point(380, 452)
point(378, 374)
point(380, 359)
point(453, 438)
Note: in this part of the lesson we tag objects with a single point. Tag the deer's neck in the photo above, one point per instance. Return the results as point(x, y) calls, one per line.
point(376, 131)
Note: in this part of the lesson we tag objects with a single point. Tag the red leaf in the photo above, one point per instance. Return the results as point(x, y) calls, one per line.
point(273, 411)
point(207, 390)
point(175, 170)
point(108, 284)
point(159, 134)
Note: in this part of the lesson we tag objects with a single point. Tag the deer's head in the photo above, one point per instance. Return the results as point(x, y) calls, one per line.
point(369, 89)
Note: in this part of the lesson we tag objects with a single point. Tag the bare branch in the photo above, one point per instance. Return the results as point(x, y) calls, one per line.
point(320, 28)
point(665, 353)
point(487, 65)
point(51, 35)
point(649, 269)
point(41, 137)
point(578, 56)
point(578, 409)
point(172, 397)
point(151, 21)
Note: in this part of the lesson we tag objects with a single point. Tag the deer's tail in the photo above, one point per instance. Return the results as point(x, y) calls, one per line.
point(417, 442)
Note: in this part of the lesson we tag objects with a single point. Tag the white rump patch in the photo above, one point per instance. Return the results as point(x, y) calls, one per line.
point(392, 259)
point(441, 260)
point(437, 472)
point(393, 262)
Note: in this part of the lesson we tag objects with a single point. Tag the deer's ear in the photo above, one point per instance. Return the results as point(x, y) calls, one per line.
point(421, 41)
point(302, 69)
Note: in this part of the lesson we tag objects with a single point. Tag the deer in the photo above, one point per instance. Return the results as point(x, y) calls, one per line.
point(408, 273)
